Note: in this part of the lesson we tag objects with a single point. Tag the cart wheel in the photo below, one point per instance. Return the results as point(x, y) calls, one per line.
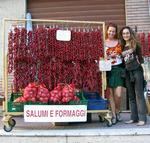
point(7, 128)
point(12, 122)
point(101, 119)
point(109, 123)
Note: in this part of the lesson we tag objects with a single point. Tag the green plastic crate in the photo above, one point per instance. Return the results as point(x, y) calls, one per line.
point(13, 96)
point(35, 103)
point(15, 107)
point(19, 107)
point(82, 101)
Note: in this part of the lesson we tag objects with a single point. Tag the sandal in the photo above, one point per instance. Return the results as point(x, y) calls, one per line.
point(141, 123)
point(114, 120)
point(130, 122)
point(119, 119)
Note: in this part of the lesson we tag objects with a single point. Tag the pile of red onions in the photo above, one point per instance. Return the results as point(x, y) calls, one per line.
point(34, 92)
point(63, 94)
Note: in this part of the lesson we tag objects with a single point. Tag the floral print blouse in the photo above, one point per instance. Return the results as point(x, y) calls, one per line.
point(114, 54)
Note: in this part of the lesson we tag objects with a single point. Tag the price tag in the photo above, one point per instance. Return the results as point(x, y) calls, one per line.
point(105, 65)
point(63, 35)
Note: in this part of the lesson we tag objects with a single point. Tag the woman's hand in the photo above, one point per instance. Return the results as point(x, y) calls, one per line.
point(144, 72)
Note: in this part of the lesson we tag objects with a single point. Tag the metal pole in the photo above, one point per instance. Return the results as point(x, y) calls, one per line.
point(103, 72)
point(55, 21)
point(4, 66)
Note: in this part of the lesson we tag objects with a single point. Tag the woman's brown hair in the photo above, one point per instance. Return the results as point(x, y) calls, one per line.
point(133, 40)
point(112, 25)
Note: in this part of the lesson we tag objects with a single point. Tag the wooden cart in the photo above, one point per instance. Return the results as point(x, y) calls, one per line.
point(8, 120)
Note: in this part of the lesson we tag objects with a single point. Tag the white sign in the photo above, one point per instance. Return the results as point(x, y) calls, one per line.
point(105, 65)
point(63, 35)
point(55, 113)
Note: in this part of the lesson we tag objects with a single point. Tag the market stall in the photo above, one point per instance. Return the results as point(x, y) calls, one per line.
point(51, 68)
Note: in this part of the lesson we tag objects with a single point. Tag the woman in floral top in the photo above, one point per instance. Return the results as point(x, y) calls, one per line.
point(114, 78)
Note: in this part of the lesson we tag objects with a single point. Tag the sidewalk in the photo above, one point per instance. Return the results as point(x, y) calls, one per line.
point(95, 128)
point(94, 132)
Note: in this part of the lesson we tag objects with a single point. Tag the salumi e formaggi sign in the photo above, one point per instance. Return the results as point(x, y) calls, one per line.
point(55, 113)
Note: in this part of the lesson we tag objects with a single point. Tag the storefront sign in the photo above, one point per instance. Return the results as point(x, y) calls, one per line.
point(55, 113)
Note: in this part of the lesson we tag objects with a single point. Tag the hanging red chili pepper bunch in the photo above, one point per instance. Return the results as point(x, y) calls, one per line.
point(17, 57)
point(42, 48)
point(141, 37)
point(19, 45)
point(34, 47)
point(24, 74)
point(67, 72)
point(98, 44)
point(91, 76)
point(77, 75)
point(12, 49)
point(30, 74)
point(60, 75)
point(10, 52)
point(31, 47)
point(21, 62)
point(46, 74)
point(16, 41)
point(22, 55)
point(51, 42)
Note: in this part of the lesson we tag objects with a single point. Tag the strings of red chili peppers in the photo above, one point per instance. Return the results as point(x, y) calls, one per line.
point(37, 55)
point(144, 40)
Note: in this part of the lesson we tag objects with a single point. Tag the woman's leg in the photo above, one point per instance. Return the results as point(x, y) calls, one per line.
point(139, 91)
point(118, 93)
point(132, 98)
point(112, 105)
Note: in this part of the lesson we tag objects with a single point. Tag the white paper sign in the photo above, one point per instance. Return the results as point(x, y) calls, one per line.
point(105, 65)
point(55, 113)
point(63, 35)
